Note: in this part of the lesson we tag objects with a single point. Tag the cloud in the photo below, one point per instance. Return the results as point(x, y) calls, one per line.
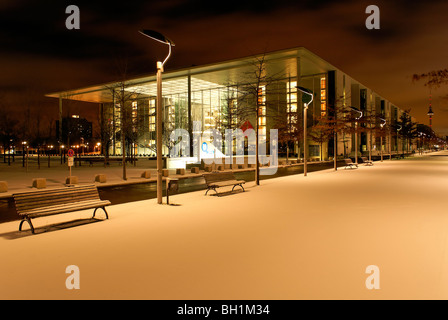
point(37, 49)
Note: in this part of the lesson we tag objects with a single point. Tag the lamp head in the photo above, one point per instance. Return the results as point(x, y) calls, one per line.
point(309, 93)
point(305, 90)
point(157, 36)
point(360, 112)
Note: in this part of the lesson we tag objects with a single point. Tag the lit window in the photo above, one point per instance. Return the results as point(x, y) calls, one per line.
point(261, 95)
point(292, 85)
point(293, 107)
point(293, 97)
point(323, 83)
point(323, 97)
point(323, 94)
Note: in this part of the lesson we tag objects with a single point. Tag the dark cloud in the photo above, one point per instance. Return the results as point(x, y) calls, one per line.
point(37, 50)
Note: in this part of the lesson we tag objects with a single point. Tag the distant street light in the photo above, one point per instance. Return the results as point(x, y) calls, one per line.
point(305, 108)
point(161, 38)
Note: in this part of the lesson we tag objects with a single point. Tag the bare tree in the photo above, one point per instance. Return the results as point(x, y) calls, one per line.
point(231, 117)
point(322, 131)
point(290, 129)
point(408, 129)
point(434, 78)
point(8, 132)
point(253, 102)
point(123, 99)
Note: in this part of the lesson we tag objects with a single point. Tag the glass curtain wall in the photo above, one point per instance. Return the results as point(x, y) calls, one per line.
point(214, 105)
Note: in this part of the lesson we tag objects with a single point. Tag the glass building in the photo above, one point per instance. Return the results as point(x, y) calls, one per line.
point(257, 91)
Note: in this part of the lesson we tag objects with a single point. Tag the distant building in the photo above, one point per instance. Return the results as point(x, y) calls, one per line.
point(75, 130)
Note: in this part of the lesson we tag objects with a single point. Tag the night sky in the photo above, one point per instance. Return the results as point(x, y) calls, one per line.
point(40, 55)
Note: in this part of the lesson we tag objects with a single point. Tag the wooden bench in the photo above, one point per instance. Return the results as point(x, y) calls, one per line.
point(120, 160)
point(349, 164)
point(216, 180)
point(366, 161)
point(107, 161)
point(32, 205)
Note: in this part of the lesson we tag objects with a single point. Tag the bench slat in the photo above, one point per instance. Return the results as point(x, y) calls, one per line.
point(55, 201)
point(227, 182)
point(48, 201)
point(50, 205)
point(45, 198)
point(86, 204)
point(64, 209)
point(54, 192)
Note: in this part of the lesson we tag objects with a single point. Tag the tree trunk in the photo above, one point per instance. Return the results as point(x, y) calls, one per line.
point(123, 151)
point(321, 155)
point(257, 165)
point(335, 151)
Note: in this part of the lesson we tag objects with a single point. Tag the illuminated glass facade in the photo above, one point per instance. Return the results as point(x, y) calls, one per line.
point(227, 95)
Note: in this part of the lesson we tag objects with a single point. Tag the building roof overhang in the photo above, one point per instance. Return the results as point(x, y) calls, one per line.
point(210, 75)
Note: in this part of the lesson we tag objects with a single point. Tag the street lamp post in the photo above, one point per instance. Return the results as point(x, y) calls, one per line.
point(23, 153)
point(305, 109)
point(397, 139)
point(62, 153)
point(356, 134)
point(161, 38)
point(381, 137)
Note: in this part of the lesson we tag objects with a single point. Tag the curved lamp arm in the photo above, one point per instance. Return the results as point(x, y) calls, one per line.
point(161, 38)
point(308, 92)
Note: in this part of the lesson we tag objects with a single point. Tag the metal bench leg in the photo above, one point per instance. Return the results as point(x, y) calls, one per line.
point(214, 189)
point(240, 185)
point(209, 188)
point(104, 209)
point(29, 222)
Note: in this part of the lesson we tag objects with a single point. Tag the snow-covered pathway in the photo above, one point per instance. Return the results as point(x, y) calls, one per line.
point(293, 237)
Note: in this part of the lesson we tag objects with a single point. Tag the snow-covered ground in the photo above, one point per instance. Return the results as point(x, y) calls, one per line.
point(293, 237)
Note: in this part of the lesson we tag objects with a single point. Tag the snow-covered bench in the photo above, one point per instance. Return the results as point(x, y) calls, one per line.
point(366, 161)
point(36, 204)
point(216, 180)
point(349, 164)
